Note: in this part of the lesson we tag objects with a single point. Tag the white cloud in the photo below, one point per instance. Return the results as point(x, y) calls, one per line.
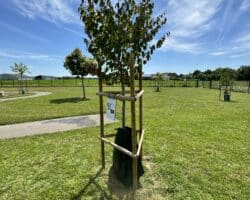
point(243, 38)
point(181, 46)
point(241, 43)
point(54, 11)
point(238, 47)
point(188, 20)
point(217, 53)
point(239, 55)
point(28, 55)
point(245, 6)
point(191, 18)
point(232, 13)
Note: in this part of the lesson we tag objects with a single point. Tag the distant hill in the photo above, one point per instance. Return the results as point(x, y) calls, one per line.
point(13, 77)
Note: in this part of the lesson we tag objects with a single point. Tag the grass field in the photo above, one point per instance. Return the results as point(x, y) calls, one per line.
point(196, 147)
point(62, 102)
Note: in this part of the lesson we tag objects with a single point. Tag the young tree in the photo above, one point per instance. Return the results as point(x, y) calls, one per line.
point(158, 77)
point(20, 69)
point(120, 34)
point(79, 65)
point(120, 37)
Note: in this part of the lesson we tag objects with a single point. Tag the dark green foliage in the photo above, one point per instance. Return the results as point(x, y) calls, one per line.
point(78, 64)
point(117, 32)
point(244, 73)
point(241, 74)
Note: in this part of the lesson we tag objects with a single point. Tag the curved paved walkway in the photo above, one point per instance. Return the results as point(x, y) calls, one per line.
point(50, 126)
point(36, 94)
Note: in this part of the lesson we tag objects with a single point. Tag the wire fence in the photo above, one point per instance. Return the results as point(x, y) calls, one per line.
point(238, 86)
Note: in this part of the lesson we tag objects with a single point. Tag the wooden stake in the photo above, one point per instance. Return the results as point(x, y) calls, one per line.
point(123, 102)
point(101, 123)
point(133, 122)
point(140, 104)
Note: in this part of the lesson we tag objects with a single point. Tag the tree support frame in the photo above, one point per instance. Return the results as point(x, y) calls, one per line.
point(134, 96)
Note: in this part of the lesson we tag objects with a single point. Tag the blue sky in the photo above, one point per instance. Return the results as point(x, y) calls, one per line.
point(204, 34)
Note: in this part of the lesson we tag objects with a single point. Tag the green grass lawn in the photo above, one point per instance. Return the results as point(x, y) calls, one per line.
point(196, 147)
point(61, 103)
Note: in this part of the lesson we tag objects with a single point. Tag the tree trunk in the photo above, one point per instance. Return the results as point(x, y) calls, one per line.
point(123, 103)
point(83, 88)
point(158, 86)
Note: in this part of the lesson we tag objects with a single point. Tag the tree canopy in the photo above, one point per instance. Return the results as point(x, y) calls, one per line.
point(78, 64)
point(116, 32)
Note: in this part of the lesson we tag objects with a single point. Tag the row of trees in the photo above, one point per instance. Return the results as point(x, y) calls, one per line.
point(241, 74)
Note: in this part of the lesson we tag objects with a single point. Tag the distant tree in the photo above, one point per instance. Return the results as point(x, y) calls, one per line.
point(81, 66)
point(158, 77)
point(173, 76)
point(208, 75)
point(244, 73)
point(226, 76)
point(20, 69)
point(197, 74)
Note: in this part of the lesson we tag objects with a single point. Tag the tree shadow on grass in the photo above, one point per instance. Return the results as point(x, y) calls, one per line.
point(92, 181)
point(68, 100)
point(115, 187)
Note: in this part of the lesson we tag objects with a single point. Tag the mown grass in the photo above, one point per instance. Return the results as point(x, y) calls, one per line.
point(61, 103)
point(196, 147)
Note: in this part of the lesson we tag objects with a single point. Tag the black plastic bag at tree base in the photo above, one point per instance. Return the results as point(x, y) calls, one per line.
point(122, 163)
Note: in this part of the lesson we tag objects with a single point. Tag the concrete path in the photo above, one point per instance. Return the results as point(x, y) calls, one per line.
point(36, 94)
point(50, 126)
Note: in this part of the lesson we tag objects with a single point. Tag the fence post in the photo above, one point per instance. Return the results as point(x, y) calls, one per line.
point(248, 87)
point(197, 83)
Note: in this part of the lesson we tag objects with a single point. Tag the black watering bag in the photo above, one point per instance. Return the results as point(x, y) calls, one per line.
point(122, 163)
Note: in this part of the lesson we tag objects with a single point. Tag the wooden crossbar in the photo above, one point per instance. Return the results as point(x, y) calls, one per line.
point(118, 96)
point(139, 94)
point(140, 144)
point(122, 149)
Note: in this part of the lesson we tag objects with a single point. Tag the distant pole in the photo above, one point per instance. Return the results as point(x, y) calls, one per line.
point(197, 83)
point(248, 87)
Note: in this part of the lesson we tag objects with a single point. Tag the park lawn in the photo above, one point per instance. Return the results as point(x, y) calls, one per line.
point(63, 102)
point(196, 147)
